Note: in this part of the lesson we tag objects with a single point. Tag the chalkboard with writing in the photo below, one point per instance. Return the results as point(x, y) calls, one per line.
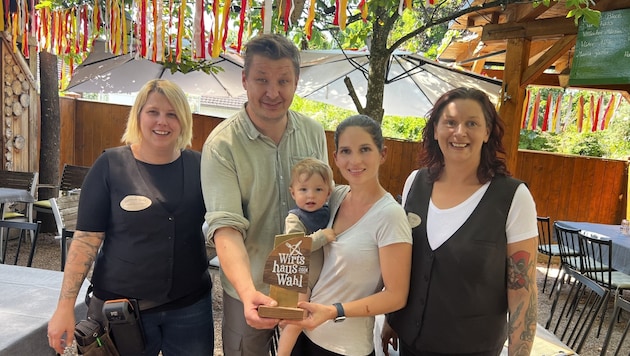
point(602, 54)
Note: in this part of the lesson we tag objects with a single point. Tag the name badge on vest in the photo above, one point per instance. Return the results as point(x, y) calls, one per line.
point(414, 220)
point(135, 203)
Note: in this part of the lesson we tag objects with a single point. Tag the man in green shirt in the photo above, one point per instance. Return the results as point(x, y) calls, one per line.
point(245, 175)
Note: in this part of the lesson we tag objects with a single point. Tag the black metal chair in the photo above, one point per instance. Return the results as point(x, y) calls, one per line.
point(584, 301)
point(19, 230)
point(569, 250)
point(545, 245)
point(597, 263)
point(620, 305)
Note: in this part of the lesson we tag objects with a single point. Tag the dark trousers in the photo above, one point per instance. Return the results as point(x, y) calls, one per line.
point(240, 339)
point(305, 347)
point(408, 351)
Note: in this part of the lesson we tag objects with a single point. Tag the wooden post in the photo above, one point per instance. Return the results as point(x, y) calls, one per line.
point(512, 96)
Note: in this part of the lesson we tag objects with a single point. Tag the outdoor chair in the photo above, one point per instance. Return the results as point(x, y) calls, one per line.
point(597, 262)
point(580, 305)
point(22, 181)
point(546, 246)
point(65, 209)
point(620, 305)
point(17, 230)
point(569, 250)
point(71, 180)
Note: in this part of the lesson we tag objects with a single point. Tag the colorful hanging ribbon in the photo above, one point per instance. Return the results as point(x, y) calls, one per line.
point(308, 27)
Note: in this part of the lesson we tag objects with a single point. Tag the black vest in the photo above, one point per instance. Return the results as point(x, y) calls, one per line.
point(152, 254)
point(458, 296)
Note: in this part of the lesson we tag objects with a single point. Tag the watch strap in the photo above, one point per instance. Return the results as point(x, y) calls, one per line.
point(340, 312)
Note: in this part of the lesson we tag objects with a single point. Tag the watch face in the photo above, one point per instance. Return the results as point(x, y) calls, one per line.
point(339, 319)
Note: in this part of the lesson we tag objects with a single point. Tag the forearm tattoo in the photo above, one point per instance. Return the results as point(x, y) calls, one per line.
point(81, 255)
point(520, 268)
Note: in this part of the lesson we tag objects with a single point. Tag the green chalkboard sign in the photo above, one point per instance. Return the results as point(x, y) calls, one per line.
point(602, 54)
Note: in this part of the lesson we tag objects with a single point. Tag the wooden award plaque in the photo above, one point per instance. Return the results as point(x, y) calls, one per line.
point(286, 271)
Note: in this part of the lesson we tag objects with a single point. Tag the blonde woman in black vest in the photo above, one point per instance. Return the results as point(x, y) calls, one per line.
point(473, 279)
point(141, 204)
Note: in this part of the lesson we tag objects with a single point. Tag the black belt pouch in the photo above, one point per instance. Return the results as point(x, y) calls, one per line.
point(123, 317)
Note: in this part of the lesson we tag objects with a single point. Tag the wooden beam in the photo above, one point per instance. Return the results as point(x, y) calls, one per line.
point(513, 93)
point(477, 66)
point(548, 80)
point(526, 12)
point(609, 5)
point(546, 60)
point(538, 28)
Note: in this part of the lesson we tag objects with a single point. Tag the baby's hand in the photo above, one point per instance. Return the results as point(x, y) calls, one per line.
point(330, 235)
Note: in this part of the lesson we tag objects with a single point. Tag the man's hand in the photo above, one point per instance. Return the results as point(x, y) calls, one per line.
point(250, 306)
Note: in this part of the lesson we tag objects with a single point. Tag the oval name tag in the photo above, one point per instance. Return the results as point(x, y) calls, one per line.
point(135, 203)
point(414, 220)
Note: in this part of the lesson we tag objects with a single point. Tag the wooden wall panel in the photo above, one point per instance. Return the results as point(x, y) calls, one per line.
point(565, 187)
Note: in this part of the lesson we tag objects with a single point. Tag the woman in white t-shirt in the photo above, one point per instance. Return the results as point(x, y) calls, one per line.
point(366, 270)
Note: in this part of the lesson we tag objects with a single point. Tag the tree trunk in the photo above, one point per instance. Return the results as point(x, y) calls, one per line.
point(379, 60)
point(50, 128)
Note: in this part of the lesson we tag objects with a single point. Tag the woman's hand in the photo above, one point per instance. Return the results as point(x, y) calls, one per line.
point(61, 329)
point(317, 315)
point(388, 337)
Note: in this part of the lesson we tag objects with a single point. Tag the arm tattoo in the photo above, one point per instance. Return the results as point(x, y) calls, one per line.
point(518, 267)
point(81, 255)
point(519, 277)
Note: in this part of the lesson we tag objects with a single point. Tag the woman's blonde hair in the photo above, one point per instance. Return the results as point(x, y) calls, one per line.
point(176, 97)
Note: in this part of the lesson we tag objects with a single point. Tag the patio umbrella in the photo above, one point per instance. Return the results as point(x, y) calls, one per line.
point(412, 86)
point(103, 72)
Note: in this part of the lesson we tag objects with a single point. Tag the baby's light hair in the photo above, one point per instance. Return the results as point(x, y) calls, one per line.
point(311, 166)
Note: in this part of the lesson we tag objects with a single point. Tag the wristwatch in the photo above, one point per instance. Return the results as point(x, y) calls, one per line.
point(341, 314)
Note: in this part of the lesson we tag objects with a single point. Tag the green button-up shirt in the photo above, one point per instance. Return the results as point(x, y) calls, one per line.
point(245, 179)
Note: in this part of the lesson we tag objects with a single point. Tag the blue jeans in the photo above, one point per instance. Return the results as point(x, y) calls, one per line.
point(185, 331)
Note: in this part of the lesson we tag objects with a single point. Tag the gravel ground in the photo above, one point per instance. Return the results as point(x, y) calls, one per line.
point(47, 257)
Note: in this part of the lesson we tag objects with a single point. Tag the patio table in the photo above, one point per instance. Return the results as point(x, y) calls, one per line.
point(29, 298)
point(620, 242)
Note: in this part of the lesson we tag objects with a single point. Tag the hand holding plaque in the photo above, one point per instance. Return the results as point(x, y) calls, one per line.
point(286, 271)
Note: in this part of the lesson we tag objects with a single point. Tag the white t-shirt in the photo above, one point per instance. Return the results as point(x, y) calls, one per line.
point(352, 271)
point(443, 223)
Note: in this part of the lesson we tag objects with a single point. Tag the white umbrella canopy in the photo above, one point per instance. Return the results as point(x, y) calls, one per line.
point(413, 83)
point(103, 72)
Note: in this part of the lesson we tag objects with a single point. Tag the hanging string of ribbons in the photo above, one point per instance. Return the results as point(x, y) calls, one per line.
point(594, 111)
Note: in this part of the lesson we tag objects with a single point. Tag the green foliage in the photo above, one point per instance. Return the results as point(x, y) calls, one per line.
point(536, 140)
point(588, 145)
point(328, 115)
point(403, 128)
point(577, 9)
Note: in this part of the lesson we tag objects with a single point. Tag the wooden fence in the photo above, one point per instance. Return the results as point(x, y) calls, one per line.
point(565, 187)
